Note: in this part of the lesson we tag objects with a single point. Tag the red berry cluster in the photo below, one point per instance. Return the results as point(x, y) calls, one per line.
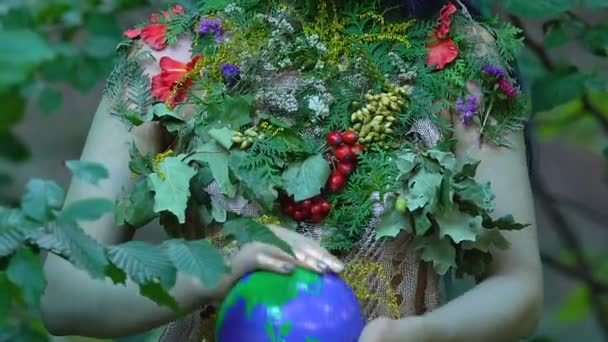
point(314, 209)
point(346, 151)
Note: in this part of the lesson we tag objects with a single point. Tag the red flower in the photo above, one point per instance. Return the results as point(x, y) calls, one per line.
point(441, 53)
point(154, 34)
point(170, 85)
point(442, 49)
point(445, 20)
point(507, 88)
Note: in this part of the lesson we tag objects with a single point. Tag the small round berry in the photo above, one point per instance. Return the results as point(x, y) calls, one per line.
point(334, 138)
point(350, 137)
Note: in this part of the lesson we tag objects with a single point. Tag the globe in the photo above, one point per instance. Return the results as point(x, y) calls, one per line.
point(300, 307)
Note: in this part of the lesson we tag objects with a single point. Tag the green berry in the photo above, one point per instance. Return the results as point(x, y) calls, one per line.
point(401, 205)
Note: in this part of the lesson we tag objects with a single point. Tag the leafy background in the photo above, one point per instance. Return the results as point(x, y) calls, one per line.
point(55, 54)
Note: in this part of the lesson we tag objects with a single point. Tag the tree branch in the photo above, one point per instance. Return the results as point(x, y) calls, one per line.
point(570, 240)
point(572, 272)
point(544, 57)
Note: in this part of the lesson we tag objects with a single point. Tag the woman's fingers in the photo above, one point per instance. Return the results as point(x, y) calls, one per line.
point(273, 264)
point(315, 255)
point(308, 252)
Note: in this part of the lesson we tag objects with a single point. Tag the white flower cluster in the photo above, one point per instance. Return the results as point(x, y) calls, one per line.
point(406, 72)
point(318, 105)
point(278, 22)
point(278, 99)
point(314, 41)
point(321, 101)
point(233, 8)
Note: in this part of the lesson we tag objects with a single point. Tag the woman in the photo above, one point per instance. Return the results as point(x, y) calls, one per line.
point(504, 306)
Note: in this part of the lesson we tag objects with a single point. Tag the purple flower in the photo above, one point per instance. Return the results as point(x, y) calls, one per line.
point(231, 72)
point(211, 26)
point(494, 70)
point(505, 85)
point(468, 108)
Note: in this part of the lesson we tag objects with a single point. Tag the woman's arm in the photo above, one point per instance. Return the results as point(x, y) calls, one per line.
point(73, 302)
point(506, 305)
point(76, 304)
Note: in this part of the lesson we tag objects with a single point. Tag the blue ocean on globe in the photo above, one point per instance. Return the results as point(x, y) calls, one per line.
point(300, 307)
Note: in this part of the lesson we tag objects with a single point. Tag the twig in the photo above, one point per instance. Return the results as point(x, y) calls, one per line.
point(570, 240)
point(578, 206)
point(595, 112)
point(536, 47)
point(544, 57)
point(572, 272)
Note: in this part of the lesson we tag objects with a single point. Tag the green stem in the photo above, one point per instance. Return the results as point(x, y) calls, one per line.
point(486, 116)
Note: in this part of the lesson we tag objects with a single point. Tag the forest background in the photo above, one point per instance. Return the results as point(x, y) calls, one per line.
point(56, 54)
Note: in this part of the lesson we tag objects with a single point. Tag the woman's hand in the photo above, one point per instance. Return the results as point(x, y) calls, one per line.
point(260, 256)
point(409, 329)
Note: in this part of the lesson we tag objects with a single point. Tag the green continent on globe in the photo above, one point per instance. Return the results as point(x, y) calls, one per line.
point(257, 289)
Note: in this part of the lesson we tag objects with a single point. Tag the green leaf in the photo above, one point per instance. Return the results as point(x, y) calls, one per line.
point(423, 189)
point(422, 223)
point(5, 299)
point(259, 181)
point(556, 36)
point(392, 222)
point(160, 110)
point(171, 187)
point(557, 88)
point(160, 296)
point(486, 240)
point(217, 158)
point(12, 110)
point(21, 52)
point(25, 271)
point(234, 111)
point(67, 239)
point(305, 179)
point(86, 210)
point(596, 40)
point(139, 164)
point(539, 8)
point(100, 46)
point(577, 306)
point(117, 275)
point(214, 5)
point(5, 179)
point(138, 209)
point(406, 162)
point(596, 3)
point(469, 170)
point(459, 226)
point(480, 195)
point(218, 211)
point(89, 172)
point(222, 136)
point(50, 99)
point(440, 252)
point(445, 159)
point(606, 153)
point(198, 259)
point(40, 198)
point(446, 193)
point(12, 147)
point(504, 223)
point(246, 230)
point(14, 230)
point(144, 263)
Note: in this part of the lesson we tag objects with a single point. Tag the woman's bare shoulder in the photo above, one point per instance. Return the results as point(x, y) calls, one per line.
point(181, 51)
